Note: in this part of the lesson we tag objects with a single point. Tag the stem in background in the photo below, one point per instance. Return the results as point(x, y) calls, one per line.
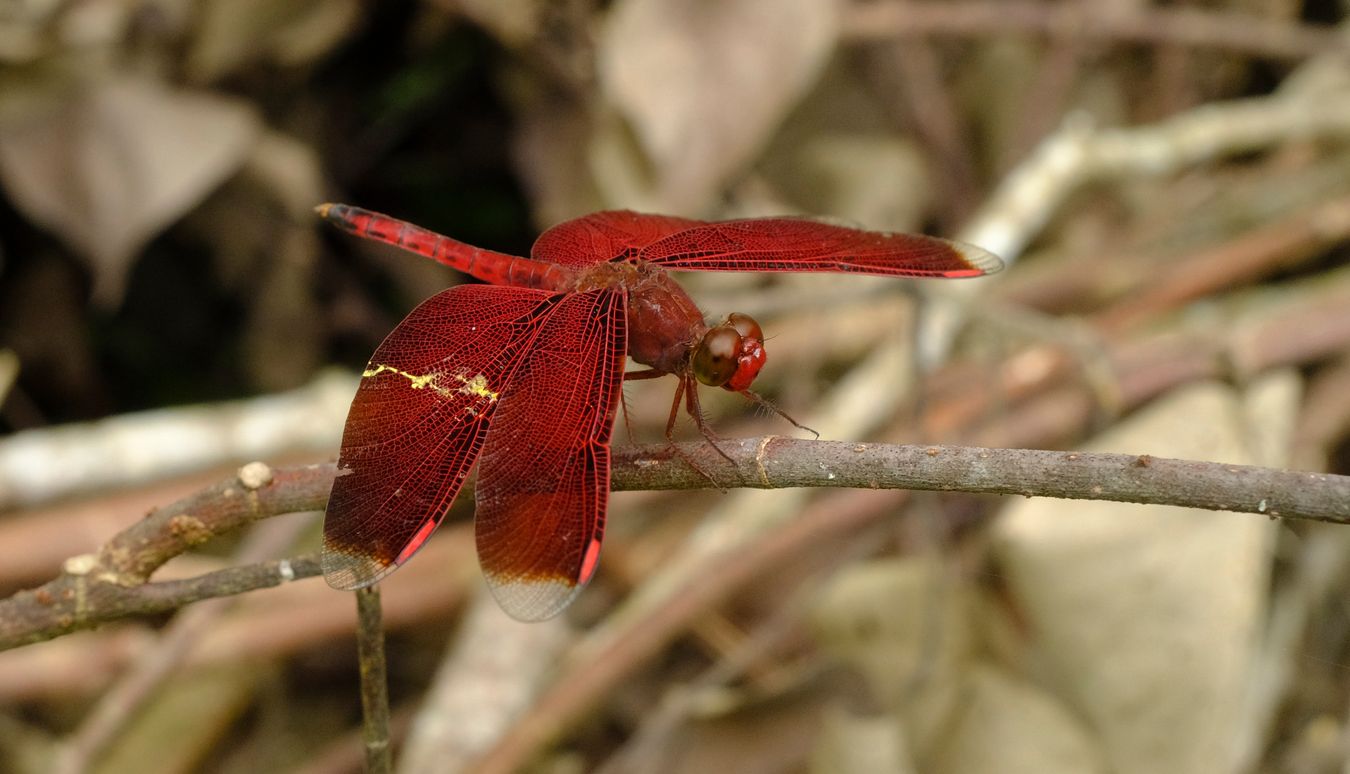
point(374, 685)
point(1190, 27)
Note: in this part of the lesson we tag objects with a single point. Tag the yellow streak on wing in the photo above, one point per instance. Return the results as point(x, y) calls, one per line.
point(418, 381)
point(478, 385)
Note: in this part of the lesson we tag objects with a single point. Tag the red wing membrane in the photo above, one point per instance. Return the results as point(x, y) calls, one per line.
point(544, 480)
point(799, 244)
point(418, 421)
point(602, 236)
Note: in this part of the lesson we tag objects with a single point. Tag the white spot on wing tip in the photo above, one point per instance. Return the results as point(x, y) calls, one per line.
point(532, 600)
point(349, 572)
point(978, 257)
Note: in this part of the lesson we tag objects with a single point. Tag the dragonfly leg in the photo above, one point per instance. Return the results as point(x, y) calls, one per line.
point(696, 411)
point(650, 373)
point(627, 423)
point(687, 387)
point(766, 403)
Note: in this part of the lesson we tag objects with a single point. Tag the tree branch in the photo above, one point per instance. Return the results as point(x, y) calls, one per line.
point(96, 588)
point(774, 462)
point(110, 585)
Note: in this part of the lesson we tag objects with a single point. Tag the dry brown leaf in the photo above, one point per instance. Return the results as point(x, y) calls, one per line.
point(117, 162)
point(703, 85)
point(282, 342)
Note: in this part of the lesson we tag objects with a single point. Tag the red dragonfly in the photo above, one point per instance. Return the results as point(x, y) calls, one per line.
point(524, 373)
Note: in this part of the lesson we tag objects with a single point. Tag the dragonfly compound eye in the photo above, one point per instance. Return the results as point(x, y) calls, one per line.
point(714, 358)
point(746, 326)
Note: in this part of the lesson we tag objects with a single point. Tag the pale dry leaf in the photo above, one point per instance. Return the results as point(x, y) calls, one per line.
point(1145, 616)
point(491, 671)
point(838, 154)
point(115, 163)
point(704, 84)
point(876, 180)
point(34, 29)
point(549, 155)
point(94, 24)
point(513, 22)
point(290, 172)
point(282, 341)
point(851, 743)
point(282, 337)
point(9, 372)
point(1009, 726)
point(907, 630)
point(246, 220)
point(1268, 421)
point(233, 34)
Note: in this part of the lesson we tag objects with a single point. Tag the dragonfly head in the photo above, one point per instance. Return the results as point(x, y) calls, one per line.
point(730, 354)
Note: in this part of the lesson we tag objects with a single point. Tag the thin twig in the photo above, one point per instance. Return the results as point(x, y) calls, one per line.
point(1177, 26)
point(156, 664)
point(1078, 153)
point(650, 742)
point(374, 686)
point(106, 585)
point(1310, 323)
point(1276, 245)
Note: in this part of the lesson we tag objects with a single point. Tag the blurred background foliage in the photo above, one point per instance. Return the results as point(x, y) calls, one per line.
point(159, 158)
point(159, 162)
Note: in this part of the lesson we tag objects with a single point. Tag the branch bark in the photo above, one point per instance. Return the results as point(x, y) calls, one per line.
point(112, 584)
point(775, 462)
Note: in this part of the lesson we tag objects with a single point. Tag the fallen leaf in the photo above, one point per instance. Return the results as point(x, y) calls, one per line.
point(1010, 726)
point(549, 154)
point(876, 180)
point(232, 34)
point(704, 85)
point(1146, 616)
point(116, 162)
point(907, 630)
point(852, 743)
point(513, 22)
